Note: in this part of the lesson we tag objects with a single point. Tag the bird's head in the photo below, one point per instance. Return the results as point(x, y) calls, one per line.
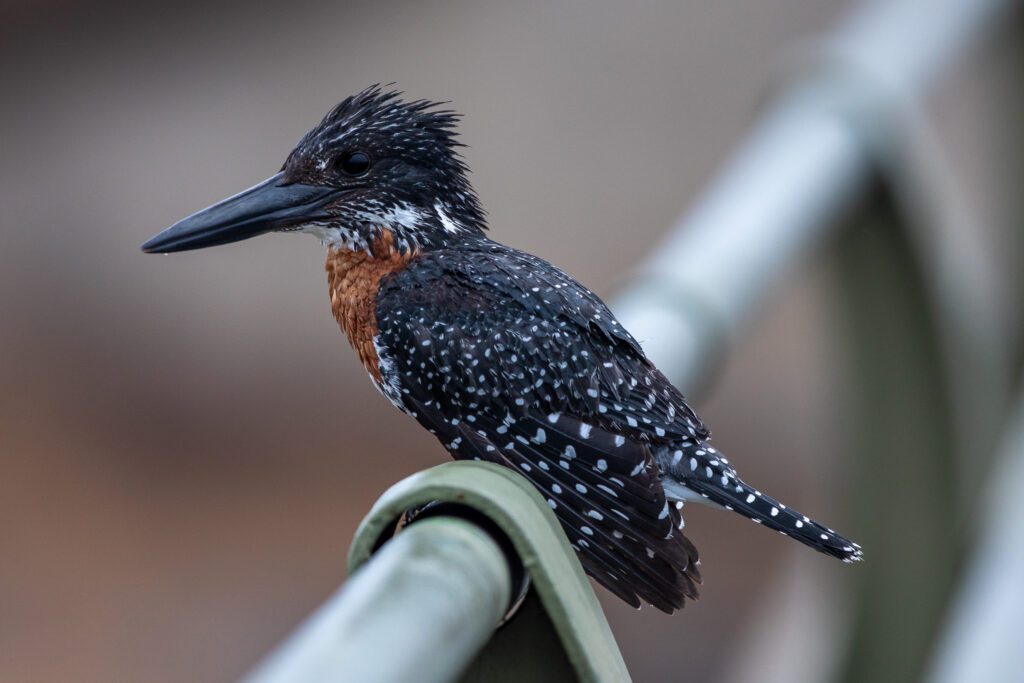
point(375, 163)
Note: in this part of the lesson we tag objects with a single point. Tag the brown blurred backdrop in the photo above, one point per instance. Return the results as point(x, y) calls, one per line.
point(187, 443)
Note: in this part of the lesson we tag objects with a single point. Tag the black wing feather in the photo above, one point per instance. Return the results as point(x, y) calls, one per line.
point(507, 359)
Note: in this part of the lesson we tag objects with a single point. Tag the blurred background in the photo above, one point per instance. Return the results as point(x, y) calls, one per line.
point(187, 444)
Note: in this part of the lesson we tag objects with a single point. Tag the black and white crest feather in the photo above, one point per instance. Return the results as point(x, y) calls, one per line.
point(418, 187)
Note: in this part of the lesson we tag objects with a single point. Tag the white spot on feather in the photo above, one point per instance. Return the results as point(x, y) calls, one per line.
point(447, 223)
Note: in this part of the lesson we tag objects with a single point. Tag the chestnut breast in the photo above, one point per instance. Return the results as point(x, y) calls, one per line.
point(353, 278)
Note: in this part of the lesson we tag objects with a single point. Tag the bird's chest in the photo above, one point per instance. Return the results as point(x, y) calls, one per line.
point(354, 279)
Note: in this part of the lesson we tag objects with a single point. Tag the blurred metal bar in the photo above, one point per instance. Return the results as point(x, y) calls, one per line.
point(982, 639)
point(419, 611)
point(798, 170)
point(796, 174)
point(835, 133)
point(900, 448)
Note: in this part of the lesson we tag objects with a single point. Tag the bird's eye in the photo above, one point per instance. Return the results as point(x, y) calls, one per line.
point(354, 163)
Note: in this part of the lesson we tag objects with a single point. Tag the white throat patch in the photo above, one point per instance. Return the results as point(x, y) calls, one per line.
point(403, 219)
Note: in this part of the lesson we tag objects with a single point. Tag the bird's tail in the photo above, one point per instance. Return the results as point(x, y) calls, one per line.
point(705, 472)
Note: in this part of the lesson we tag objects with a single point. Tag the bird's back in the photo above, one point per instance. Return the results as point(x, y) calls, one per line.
point(508, 359)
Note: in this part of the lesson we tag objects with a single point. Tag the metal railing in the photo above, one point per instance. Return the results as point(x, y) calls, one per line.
point(427, 606)
point(844, 134)
point(481, 535)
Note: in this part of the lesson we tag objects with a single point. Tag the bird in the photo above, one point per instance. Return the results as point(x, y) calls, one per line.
point(502, 356)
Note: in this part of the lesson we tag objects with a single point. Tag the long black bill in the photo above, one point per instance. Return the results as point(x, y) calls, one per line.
point(271, 205)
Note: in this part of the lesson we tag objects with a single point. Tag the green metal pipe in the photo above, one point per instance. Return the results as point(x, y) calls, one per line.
point(419, 610)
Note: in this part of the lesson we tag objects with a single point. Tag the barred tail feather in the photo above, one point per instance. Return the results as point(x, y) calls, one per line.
point(701, 470)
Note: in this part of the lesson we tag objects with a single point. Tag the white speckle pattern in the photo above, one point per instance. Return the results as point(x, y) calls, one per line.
point(708, 477)
point(509, 360)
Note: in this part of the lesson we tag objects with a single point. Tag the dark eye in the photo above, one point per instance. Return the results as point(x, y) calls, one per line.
point(354, 163)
